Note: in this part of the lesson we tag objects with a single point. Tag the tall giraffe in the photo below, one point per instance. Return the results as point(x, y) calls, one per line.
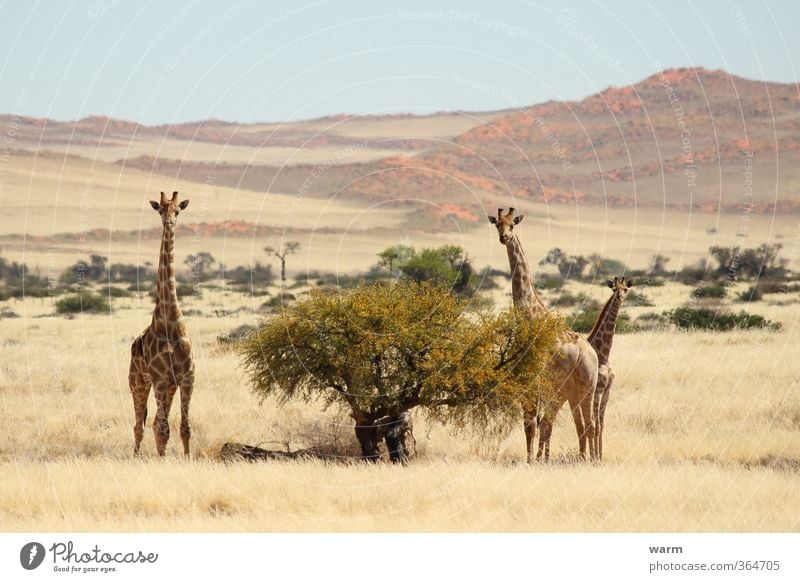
point(574, 366)
point(161, 356)
point(601, 337)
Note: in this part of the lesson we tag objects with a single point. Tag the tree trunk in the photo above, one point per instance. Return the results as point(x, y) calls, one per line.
point(400, 437)
point(283, 269)
point(369, 438)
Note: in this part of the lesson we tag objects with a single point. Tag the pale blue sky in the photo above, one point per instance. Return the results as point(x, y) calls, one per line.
point(167, 62)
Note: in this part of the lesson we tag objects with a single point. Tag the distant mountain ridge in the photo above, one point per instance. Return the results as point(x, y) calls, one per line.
point(686, 138)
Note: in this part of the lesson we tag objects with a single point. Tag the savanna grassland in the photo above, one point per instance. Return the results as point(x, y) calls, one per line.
point(701, 436)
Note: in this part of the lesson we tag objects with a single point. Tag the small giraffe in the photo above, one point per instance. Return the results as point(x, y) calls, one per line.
point(161, 356)
point(574, 367)
point(601, 337)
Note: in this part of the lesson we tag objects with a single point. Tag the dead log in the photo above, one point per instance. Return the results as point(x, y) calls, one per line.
point(239, 451)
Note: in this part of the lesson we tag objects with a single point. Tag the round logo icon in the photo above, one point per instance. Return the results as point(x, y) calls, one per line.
point(31, 555)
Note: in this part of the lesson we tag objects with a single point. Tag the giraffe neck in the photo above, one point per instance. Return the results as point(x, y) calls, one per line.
point(523, 289)
point(602, 335)
point(167, 317)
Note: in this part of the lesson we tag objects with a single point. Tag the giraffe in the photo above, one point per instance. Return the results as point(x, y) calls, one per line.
point(601, 337)
point(161, 356)
point(574, 367)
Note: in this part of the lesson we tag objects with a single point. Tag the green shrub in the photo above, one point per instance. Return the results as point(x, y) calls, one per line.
point(118, 292)
point(567, 299)
point(278, 301)
point(715, 291)
point(649, 282)
point(549, 282)
point(752, 293)
point(638, 299)
point(778, 287)
point(651, 321)
point(717, 320)
point(85, 301)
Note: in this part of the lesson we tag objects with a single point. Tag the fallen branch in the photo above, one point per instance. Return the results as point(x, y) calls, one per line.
point(238, 451)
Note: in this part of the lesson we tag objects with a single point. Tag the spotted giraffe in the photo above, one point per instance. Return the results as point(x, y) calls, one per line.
point(161, 356)
point(601, 337)
point(574, 366)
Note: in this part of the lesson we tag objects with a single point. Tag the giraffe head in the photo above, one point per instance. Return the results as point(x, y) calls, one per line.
point(505, 224)
point(620, 286)
point(169, 208)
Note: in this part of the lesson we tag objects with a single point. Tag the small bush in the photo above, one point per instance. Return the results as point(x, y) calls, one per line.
point(752, 293)
point(118, 292)
point(649, 282)
point(779, 287)
point(236, 335)
point(567, 299)
point(716, 291)
point(6, 313)
point(651, 321)
point(716, 320)
point(278, 301)
point(83, 302)
point(638, 299)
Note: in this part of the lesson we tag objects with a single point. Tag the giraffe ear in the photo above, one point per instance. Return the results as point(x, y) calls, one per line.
point(629, 283)
point(610, 283)
point(156, 206)
point(519, 218)
point(492, 219)
point(183, 205)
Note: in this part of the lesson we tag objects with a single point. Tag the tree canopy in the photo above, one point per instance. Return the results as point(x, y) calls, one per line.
point(385, 349)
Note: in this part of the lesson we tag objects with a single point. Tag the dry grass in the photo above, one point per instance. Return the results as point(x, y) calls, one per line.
point(701, 436)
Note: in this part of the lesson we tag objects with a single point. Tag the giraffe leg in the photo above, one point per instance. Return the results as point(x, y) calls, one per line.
point(545, 431)
point(530, 431)
point(139, 383)
point(187, 385)
point(602, 384)
point(580, 427)
point(601, 414)
point(587, 416)
point(164, 395)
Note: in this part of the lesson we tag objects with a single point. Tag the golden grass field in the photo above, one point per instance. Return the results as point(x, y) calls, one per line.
point(701, 436)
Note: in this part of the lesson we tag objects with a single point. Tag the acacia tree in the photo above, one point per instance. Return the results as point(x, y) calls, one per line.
point(382, 350)
point(393, 257)
point(283, 252)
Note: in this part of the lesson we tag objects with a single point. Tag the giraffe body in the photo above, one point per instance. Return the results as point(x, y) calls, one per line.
point(601, 338)
point(574, 367)
point(161, 357)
